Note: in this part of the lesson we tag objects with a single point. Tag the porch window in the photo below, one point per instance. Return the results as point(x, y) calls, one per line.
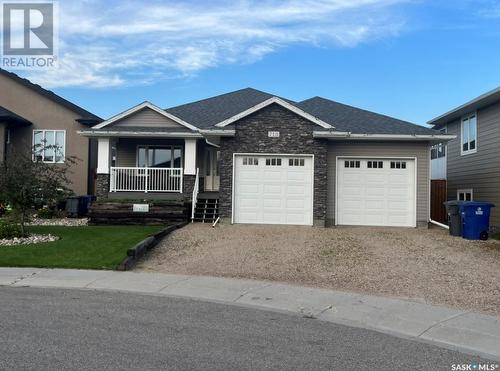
point(159, 157)
point(49, 145)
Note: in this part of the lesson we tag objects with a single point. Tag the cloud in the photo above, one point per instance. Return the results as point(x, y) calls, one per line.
point(107, 43)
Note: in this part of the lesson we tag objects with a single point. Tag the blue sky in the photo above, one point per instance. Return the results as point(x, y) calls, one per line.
point(408, 59)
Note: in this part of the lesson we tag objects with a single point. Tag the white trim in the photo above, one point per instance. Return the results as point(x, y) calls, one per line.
point(137, 108)
point(465, 105)
point(275, 155)
point(376, 157)
point(346, 135)
point(467, 117)
point(218, 133)
point(280, 102)
point(103, 155)
point(7, 136)
point(464, 191)
point(132, 134)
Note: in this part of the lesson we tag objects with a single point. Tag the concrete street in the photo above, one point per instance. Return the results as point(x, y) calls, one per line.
point(76, 329)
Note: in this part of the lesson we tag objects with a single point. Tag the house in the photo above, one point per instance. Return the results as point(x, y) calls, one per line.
point(472, 159)
point(31, 115)
point(269, 160)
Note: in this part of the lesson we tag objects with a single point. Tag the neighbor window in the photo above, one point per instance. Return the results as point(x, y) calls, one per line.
point(49, 145)
point(464, 195)
point(159, 157)
point(469, 134)
point(438, 151)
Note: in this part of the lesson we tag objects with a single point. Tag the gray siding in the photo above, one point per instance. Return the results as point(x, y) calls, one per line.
point(419, 150)
point(481, 170)
point(147, 118)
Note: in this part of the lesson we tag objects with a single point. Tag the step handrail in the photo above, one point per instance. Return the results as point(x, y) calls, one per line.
point(195, 193)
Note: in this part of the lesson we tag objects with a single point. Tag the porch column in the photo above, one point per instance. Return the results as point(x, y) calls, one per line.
point(190, 156)
point(103, 163)
point(3, 140)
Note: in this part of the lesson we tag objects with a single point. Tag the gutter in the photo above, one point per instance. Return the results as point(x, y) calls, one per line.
point(343, 135)
point(125, 134)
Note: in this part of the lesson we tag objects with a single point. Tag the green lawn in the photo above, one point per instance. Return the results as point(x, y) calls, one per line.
point(92, 247)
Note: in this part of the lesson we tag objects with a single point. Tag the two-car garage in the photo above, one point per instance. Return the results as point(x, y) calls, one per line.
point(279, 189)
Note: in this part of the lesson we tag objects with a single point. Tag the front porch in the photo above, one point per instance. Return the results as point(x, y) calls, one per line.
point(156, 168)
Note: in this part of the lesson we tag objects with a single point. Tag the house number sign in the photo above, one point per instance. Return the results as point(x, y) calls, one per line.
point(273, 134)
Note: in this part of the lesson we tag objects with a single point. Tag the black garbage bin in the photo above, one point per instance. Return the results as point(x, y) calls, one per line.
point(454, 217)
point(78, 206)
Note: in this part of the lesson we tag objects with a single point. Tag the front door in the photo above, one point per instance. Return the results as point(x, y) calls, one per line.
point(212, 178)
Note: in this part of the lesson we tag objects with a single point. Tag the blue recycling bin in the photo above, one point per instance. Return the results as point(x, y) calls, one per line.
point(475, 219)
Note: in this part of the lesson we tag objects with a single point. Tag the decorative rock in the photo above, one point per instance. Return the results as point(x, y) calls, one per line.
point(30, 240)
point(64, 222)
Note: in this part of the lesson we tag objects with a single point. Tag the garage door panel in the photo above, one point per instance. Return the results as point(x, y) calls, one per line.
point(280, 194)
point(376, 196)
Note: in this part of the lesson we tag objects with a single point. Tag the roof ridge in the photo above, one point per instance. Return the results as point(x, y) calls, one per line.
point(220, 95)
point(50, 95)
point(362, 109)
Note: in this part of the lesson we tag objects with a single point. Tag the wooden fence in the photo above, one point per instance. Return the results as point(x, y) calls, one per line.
point(438, 196)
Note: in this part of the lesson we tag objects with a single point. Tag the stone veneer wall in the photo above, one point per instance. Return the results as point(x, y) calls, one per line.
point(296, 137)
point(102, 186)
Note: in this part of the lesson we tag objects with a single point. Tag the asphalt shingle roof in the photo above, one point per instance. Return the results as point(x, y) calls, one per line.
point(206, 113)
point(359, 121)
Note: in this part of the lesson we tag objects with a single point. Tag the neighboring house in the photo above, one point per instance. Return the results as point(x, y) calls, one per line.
point(31, 115)
point(438, 160)
point(473, 158)
point(268, 160)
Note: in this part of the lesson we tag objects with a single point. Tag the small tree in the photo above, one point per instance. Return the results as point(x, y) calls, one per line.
point(25, 180)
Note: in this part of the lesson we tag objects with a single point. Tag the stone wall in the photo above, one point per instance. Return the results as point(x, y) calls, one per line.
point(102, 186)
point(296, 137)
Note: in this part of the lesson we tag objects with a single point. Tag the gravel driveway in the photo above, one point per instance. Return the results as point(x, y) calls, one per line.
point(417, 264)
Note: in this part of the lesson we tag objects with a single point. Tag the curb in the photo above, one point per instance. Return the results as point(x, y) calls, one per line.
point(136, 253)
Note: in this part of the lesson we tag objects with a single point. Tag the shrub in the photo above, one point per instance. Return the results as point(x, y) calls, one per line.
point(10, 230)
point(45, 213)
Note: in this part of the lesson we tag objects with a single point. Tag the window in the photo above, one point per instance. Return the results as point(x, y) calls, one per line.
point(251, 161)
point(438, 151)
point(49, 145)
point(469, 134)
point(352, 164)
point(159, 157)
point(398, 164)
point(273, 161)
point(375, 164)
point(296, 162)
point(464, 195)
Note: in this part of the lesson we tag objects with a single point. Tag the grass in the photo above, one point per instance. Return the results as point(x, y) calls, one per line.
point(89, 247)
point(496, 236)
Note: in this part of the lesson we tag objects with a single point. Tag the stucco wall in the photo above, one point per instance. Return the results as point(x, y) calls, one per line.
point(46, 114)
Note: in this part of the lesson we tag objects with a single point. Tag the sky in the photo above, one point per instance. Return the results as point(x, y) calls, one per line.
point(411, 59)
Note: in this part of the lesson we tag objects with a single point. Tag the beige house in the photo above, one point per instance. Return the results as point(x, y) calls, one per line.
point(30, 114)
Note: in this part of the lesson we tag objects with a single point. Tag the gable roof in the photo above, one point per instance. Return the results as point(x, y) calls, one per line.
point(140, 107)
point(359, 121)
point(87, 118)
point(208, 112)
point(11, 117)
point(484, 100)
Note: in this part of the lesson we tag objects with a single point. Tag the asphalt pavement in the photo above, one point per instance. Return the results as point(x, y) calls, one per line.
point(54, 329)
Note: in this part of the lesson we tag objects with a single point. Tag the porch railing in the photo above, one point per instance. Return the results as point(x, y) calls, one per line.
point(196, 189)
point(145, 179)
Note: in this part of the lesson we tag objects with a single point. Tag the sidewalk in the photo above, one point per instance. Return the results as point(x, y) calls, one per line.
point(461, 330)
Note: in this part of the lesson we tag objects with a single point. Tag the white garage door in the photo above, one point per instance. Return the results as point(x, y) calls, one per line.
point(378, 192)
point(273, 189)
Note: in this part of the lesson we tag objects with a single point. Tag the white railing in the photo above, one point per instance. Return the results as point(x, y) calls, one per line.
point(195, 193)
point(145, 179)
